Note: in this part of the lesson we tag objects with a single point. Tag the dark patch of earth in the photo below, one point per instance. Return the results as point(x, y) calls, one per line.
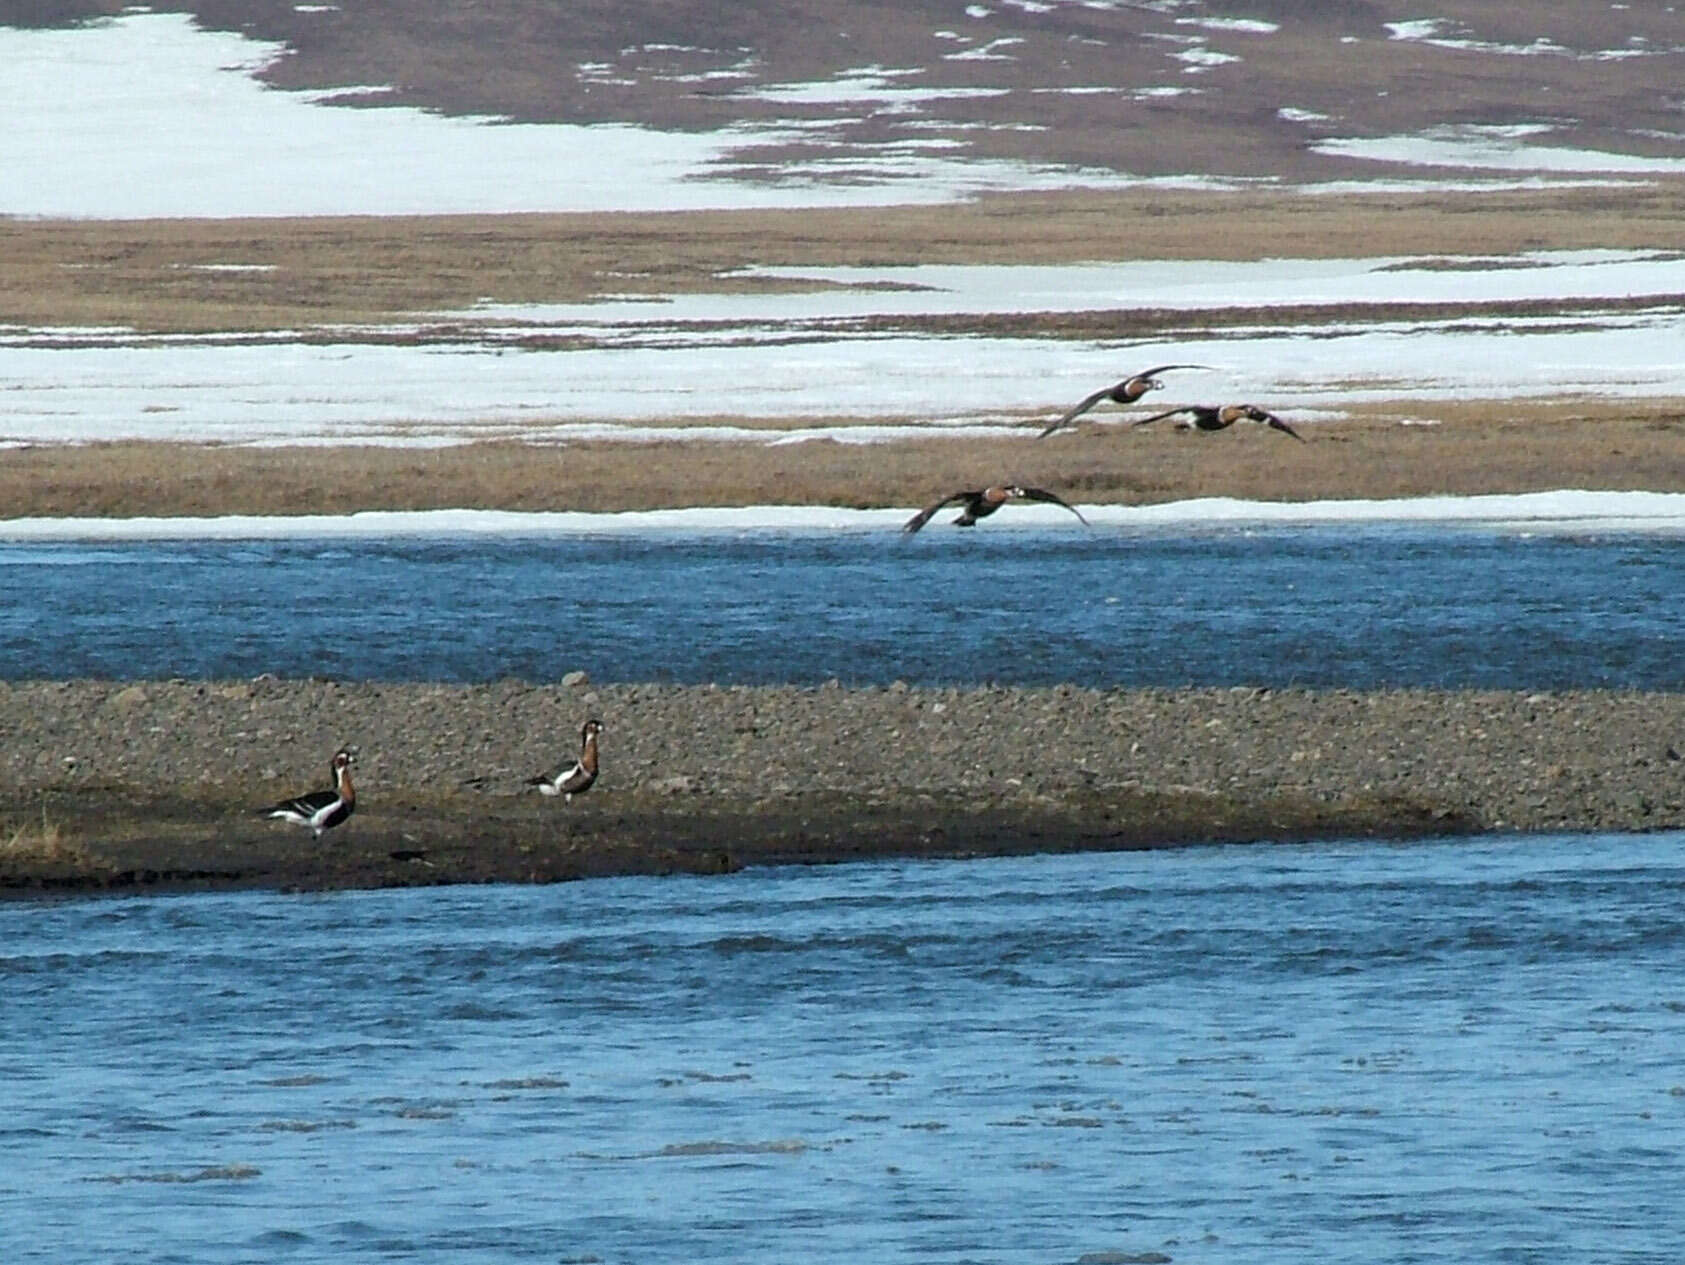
point(1069, 85)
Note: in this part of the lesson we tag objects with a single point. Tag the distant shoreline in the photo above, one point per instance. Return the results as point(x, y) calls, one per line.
point(137, 786)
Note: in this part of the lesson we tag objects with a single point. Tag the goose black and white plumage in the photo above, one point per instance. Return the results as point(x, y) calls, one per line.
point(1209, 417)
point(321, 811)
point(981, 502)
point(1125, 392)
point(576, 779)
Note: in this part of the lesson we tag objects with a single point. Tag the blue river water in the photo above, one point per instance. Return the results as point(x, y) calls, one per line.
point(1459, 1050)
point(1442, 1050)
point(1357, 606)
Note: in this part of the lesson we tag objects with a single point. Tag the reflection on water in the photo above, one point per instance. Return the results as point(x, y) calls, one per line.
point(1356, 606)
point(1463, 1050)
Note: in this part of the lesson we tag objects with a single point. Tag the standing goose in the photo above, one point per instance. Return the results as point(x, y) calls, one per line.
point(1125, 392)
point(980, 503)
point(1206, 417)
point(322, 810)
point(577, 778)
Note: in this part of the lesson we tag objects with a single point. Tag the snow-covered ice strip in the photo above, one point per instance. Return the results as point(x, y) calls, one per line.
point(1483, 148)
point(1245, 26)
point(1192, 284)
point(1543, 511)
point(362, 393)
point(1444, 33)
point(868, 84)
point(834, 294)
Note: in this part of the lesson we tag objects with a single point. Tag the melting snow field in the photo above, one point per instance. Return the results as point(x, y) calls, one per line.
point(147, 115)
point(661, 369)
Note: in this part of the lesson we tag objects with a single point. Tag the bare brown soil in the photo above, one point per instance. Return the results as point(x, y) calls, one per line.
point(696, 65)
point(138, 842)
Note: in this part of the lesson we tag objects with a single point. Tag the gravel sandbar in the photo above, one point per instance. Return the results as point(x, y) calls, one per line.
point(121, 785)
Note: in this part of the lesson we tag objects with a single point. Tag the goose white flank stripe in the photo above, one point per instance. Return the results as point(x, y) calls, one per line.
point(321, 811)
point(981, 502)
point(1125, 392)
point(1210, 418)
point(578, 777)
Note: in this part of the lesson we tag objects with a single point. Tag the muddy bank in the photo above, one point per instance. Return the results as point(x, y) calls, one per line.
point(113, 785)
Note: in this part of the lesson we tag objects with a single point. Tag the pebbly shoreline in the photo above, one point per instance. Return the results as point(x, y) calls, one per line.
point(124, 785)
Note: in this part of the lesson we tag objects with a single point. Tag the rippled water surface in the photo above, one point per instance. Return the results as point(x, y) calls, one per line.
point(1460, 1051)
point(1354, 606)
point(1437, 1051)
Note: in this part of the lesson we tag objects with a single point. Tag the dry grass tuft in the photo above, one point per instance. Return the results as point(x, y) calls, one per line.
point(42, 845)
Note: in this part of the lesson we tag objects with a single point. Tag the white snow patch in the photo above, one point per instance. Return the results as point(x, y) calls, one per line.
point(986, 52)
point(1493, 148)
point(148, 116)
point(1534, 511)
point(1247, 26)
point(1416, 29)
point(663, 360)
point(1441, 33)
point(1202, 59)
point(858, 87)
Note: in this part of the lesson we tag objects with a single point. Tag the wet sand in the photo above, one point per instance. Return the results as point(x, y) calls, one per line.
point(112, 786)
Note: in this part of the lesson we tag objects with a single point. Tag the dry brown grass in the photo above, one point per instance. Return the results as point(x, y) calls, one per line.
point(42, 845)
point(1451, 448)
point(148, 275)
point(152, 275)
